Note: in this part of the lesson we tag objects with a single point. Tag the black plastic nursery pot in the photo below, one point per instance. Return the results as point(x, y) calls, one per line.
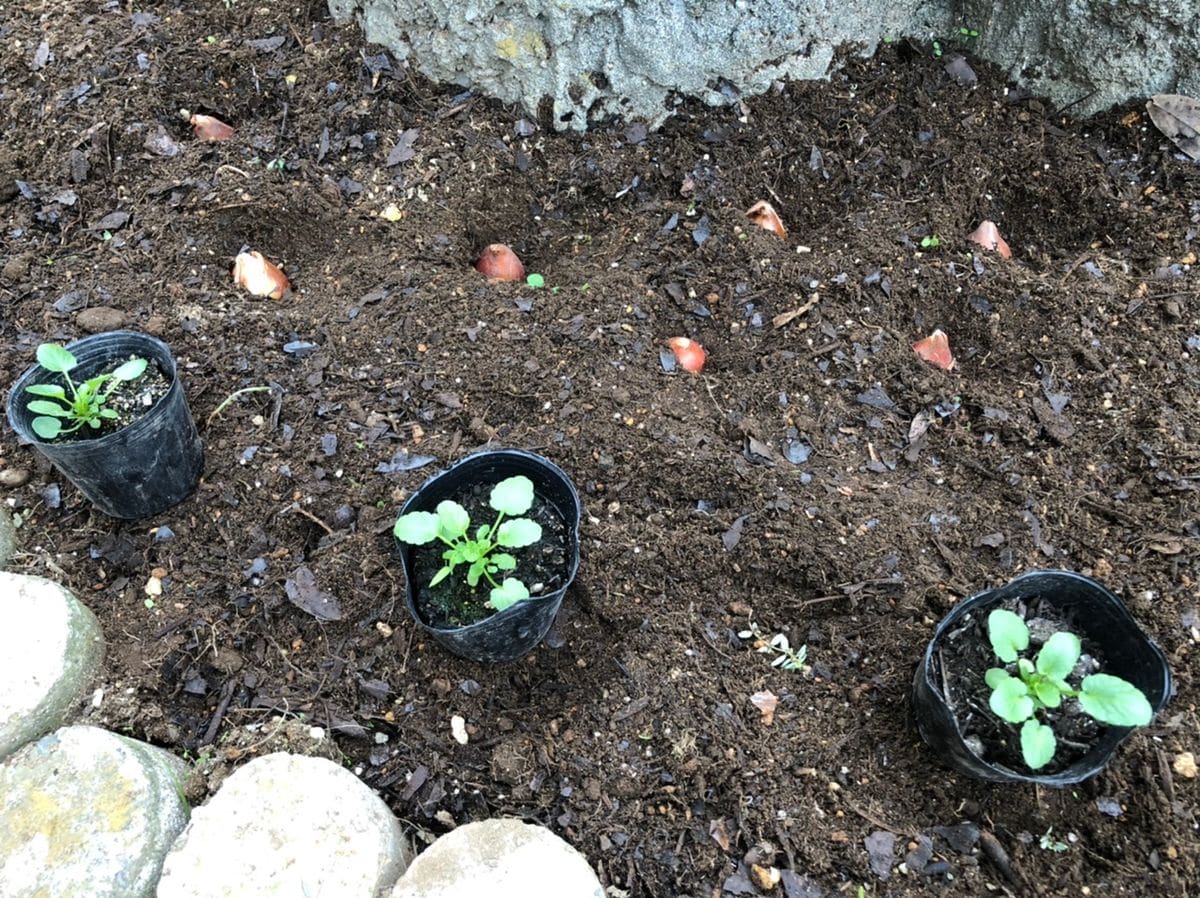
point(135, 472)
point(505, 635)
point(1098, 615)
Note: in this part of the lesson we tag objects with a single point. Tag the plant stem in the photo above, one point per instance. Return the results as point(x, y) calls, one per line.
point(228, 399)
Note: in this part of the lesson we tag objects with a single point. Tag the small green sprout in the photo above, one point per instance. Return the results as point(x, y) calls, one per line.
point(85, 405)
point(1049, 843)
point(536, 281)
point(968, 33)
point(786, 657)
point(512, 496)
point(937, 50)
point(933, 241)
point(1042, 683)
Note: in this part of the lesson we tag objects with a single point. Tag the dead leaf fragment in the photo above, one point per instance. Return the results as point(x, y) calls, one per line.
point(1178, 117)
point(764, 215)
point(303, 592)
point(716, 829)
point(792, 314)
point(935, 349)
point(765, 701)
point(988, 236)
point(210, 128)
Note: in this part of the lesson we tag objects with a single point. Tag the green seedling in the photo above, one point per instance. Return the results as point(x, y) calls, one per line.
point(60, 414)
point(536, 281)
point(1049, 843)
point(1042, 683)
point(450, 523)
point(968, 33)
point(786, 657)
point(933, 241)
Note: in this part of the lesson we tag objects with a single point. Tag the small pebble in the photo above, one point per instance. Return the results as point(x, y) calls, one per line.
point(1185, 765)
point(14, 477)
point(98, 319)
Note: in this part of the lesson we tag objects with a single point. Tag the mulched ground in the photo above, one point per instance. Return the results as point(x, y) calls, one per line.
point(818, 478)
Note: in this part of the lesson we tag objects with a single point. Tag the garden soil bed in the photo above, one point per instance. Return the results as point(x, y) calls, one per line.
point(818, 476)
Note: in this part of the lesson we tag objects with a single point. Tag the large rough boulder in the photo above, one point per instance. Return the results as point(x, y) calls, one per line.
point(579, 61)
point(50, 650)
point(593, 58)
point(499, 857)
point(85, 813)
point(1092, 54)
point(285, 826)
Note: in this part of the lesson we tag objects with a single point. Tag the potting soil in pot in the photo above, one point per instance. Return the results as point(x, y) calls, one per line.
point(542, 567)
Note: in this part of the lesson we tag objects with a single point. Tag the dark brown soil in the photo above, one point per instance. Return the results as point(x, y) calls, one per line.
point(819, 477)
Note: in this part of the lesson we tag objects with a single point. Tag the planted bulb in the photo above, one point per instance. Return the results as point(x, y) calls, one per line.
point(259, 277)
point(498, 262)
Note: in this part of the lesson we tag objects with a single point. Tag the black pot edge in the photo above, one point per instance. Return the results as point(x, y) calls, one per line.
point(534, 601)
point(991, 772)
point(162, 356)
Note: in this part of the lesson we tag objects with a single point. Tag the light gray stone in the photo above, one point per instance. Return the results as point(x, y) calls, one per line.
point(8, 542)
point(499, 857)
point(288, 826)
point(50, 649)
point(87, 814)
point(595, 58)
point(1091, 54)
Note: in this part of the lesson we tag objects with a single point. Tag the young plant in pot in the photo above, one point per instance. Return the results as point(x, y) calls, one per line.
point(1037, 681)
point(109, 412)
point(489, 547)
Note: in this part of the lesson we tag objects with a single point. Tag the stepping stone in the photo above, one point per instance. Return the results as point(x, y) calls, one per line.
point(289, 826)
point(502, 858)
point(88, 814)
point(50, 649)
point(8, 537)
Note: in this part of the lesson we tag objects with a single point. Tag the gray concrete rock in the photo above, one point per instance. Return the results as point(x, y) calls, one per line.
point(50, 649)
point(8, 543)
point(288, 826)
point(87, 814)
point(1091, 54)
point(595, 58)
point(510, 857)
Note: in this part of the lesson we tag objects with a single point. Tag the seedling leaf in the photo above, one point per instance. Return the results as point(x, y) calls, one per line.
point(518, 532)
point(1114, 701)
point(47, 428)
point(1010, 700)
point(52, 390)
point(53, 357)
point(1037, 744)
point(513, 495)
point(1008, 634)
point(508, 593)
point(416, 528)
point(1058, 655)
point(453, 520)
point(131, 370)
point(504, 562)
point(46, 407)
point(995, 676)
